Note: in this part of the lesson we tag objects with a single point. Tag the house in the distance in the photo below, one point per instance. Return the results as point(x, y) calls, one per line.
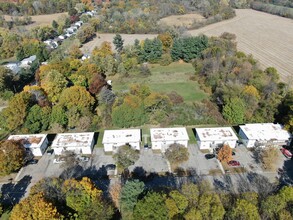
point(264, 134)
point(36, 143)
point(210, 138)
point(25, 63)
point(162, 138)
point(80, 143)
point(113, 139)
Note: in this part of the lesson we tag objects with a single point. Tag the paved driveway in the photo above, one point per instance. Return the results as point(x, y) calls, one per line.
point(151, 162)
point(198, 161)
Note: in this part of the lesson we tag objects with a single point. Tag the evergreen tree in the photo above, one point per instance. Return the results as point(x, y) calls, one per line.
point(118, 42)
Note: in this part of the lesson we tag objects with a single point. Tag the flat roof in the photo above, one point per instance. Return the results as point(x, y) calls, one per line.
point(29, 140)
point(73, 140)
point(168, 134)
point(122, 136)
point(265, 131)
point(216, 134)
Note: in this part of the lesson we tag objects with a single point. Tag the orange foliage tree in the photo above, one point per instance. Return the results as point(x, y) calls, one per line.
point(225, 154)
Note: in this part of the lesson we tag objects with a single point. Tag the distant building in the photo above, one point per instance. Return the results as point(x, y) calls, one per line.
point(14, 67)
point(25, 63)
point(80, 143)
point(113, 139)
point(37, 143)
point(264, 134)
point(210, 138)
point(162, 138)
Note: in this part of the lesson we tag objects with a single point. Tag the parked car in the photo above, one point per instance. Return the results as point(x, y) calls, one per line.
point(32, 161)
point(209, 156)
point(286, 153)
point(110, 167)
point(233, 163)
point(233, 153)
point(83, 159)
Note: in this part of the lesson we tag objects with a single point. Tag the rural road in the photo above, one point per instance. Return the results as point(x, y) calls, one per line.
point(267, 37)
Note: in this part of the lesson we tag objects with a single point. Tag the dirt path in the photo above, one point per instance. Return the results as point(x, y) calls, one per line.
point(268, 38)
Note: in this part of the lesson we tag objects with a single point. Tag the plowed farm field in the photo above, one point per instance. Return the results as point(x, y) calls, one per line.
point(267, 37)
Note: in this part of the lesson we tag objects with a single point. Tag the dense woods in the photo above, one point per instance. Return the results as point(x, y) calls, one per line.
point(57, 198)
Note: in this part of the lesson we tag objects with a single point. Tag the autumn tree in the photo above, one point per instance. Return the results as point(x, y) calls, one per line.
point(151, 207)
point(211, 207)
point(244, 210)
point(14, 115)
point(191, 192)
point(12, 155)
point(114, 192)
point(104, 50)
point(84, 198)
point(85, 33)
point(76, 96)
point(269, 156)
point(118, 42)
point(34, 207)
point(177, 154)
point(97, 83)
point(176, 204)
point(126, 156)
point(167, 41)
point(225, 153)
point(129, 197)
point(53, 84)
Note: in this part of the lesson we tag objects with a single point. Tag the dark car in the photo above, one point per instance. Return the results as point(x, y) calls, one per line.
point(233, 153)
point(110, 167)
point(33, 161)
point(209, 156)
point(233, 163)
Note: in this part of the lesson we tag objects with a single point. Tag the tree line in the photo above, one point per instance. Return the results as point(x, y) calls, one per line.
point(56, 198)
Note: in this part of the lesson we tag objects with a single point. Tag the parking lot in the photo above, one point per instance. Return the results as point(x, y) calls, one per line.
point(198, 162)
point(151, 162)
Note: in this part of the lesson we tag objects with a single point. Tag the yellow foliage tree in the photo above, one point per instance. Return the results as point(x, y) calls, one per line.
point(252, 91)
point(104, 50)
point(34, 207)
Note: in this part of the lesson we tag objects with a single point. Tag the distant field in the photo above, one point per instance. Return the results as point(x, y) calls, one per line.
point(128, 40)
point(267, 37)
point(40, 20)
point(181, 20)
point(174, 77)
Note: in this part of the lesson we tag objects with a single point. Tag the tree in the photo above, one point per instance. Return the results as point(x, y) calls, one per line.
point(210, 207)
point(285, 114)
point(85, 33)
point(76, 96)
point(152, 50)
point(191, 192)
point(269, 156)
point(12, 155)
point(225, 153)
point(118, 42)
point(34, 207)
point(176, 203)
point(177, 154)
point(272, 205)
point(53, 84)
point(16, 111)
point(103, 51)
point(234, 111)
point(58, 116)
point(151, 207)
point(126, 156)
point(84, 198)
point(38, 119)
point(55, 24)
point(244, 210)
point(115, 191)
point(98, 82)
point(166, 40)
point(129, 197)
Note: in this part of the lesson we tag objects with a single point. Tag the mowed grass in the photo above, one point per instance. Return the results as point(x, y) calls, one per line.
point(166, 79)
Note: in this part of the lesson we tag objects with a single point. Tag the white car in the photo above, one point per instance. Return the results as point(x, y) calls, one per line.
point(58, 161)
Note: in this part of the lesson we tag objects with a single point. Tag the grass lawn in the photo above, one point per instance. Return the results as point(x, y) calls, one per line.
point(192, 139)
point(166, 79)
point(5, 215)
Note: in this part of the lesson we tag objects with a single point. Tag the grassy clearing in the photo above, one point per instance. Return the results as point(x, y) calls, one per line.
point(166, 79)
point(5, 215)
point(192, 139)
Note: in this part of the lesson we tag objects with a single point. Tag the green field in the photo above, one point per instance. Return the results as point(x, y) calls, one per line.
point(174, 77)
